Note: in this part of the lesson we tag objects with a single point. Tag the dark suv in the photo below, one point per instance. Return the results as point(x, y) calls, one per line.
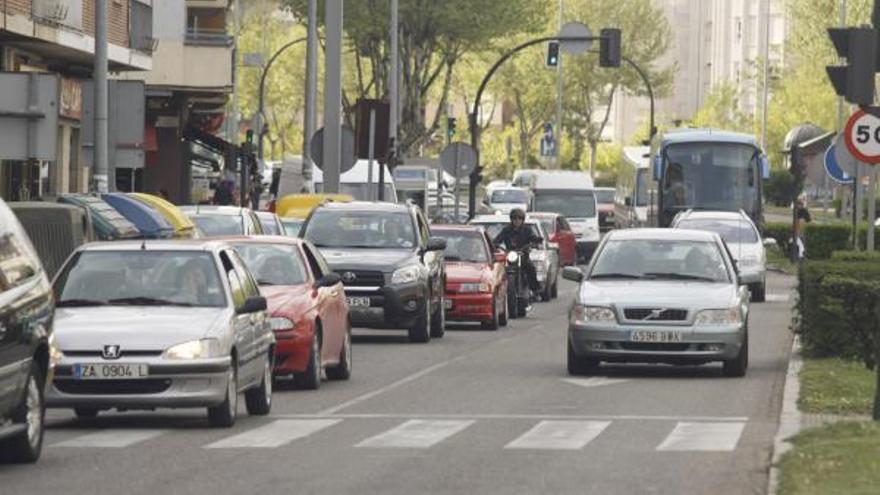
point(26, 311)
point(391, 268)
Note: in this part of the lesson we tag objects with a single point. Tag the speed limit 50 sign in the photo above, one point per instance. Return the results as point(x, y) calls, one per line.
point(862, 135)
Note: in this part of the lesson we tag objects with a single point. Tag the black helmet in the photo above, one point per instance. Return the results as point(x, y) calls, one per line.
point(517, 213)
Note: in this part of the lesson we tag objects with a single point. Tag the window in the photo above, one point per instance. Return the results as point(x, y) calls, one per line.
point(652, 259)
point(273, 264)
point(362, 229)
point(318, 269)
point(464, 246)
point(236, 289)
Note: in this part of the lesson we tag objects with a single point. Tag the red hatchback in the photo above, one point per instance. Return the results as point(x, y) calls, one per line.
point(307, 308)
point(559, 231)
point(476, 283)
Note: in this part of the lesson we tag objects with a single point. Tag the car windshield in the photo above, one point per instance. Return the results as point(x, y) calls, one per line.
point(464, 246)
point(731, 231)
point(655, 259)
point(214, 225)
point(140, 278)
point(270, 226)
point(273, 264)
point(604, 197)
point(509, 196)
point(362, 229)
point(292, 226)
point(570, 204)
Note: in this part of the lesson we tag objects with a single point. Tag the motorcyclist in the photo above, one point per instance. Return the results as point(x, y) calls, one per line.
point(517, 237)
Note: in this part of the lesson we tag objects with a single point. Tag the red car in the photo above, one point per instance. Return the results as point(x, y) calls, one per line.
point(560, 232)
point(476, 284)
point(307, 308)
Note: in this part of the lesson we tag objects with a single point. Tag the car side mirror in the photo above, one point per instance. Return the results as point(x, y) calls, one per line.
point(573, 273)
point(252, 305)
point(436, 244)
point(328, 280)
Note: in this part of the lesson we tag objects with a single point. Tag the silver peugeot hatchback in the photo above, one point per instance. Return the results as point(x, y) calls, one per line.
point(170, 324)
point(659, 295)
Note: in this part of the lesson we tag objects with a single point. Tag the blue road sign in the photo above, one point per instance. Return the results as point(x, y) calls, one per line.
point(833, 168)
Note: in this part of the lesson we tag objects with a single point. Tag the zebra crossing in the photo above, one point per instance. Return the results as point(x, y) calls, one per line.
point(704, 435)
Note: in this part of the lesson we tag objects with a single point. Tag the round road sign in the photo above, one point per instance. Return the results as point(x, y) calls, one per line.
point(458, 159)
point(316, 149)
point(862, 136)
point(575, 30)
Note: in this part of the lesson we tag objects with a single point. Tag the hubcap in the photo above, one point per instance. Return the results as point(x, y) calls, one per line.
point(267, 380)
point(34, 416)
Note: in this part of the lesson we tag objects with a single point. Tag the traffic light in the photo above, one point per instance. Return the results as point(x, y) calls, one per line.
point(609, 47)
point(553, 54)
point(450, 126)
point(855, 80)
point(249, 136)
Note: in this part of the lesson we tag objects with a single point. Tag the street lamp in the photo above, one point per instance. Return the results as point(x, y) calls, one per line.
point(262, 92)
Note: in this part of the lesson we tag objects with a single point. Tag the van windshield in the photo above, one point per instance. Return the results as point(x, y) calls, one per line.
point(359, 191)
point(572, 204)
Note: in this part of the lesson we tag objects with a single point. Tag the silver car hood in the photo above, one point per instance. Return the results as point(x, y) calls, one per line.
point(658, 293)
point(132, 327)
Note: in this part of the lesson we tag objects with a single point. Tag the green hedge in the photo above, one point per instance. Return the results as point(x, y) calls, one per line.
point(863, 236)
point(856, 256)
point(781, 231)
point(820, 240)
point(823, 332)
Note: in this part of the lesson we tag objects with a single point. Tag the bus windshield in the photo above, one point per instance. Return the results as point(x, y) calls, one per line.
point(572, 204)
point(717, 176)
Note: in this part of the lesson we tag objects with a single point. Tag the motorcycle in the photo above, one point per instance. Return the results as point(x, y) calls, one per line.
point(518, 294)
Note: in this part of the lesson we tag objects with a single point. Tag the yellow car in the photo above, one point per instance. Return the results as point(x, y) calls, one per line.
point(184, 228)
point(300, 205)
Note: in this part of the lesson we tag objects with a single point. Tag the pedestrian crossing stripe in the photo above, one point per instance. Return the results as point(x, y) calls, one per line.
point(550, 435)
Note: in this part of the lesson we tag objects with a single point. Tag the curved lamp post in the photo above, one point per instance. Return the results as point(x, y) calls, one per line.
point(262, 91)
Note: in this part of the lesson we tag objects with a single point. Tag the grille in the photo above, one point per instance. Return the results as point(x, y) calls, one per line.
point(634, 314)
point(122, 353)
point(113, 387)
point(363, 278)
point(646, 346)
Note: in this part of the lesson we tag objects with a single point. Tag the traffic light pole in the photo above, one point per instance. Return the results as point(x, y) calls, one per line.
point(653, 129)
point(262, 93)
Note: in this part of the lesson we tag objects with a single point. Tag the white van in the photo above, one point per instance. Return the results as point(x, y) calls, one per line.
point(634, 188)
point(570, 193)
point(355, 182)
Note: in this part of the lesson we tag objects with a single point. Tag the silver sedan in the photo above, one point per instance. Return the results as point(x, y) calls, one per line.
point(659, 295)
point(176, 324)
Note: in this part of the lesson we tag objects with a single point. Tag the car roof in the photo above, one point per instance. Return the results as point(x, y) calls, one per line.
point(678, 136)
point(213, 209)
point(456, 228)
point(662, 235)
point(157, 245)
point(264, 214)
point(364, 206)
point(260, 239)
point(714, 215)
point(498, 219)
point(604, 189)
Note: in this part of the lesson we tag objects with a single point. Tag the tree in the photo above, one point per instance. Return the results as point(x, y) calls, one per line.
point(721, 110)
point(433, 38)
point(589, 89)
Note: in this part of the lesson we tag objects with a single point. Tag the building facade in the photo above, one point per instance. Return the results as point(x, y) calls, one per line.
point(46, 59)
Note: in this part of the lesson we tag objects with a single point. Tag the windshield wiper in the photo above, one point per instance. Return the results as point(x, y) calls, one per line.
point(145, 301)
point(679, 276)
point(616, 275)
point(265, 282)
point(72, 303)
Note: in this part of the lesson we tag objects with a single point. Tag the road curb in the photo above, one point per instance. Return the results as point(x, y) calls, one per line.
point(789, 418)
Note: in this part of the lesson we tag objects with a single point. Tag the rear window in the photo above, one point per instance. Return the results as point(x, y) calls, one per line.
point(731, 231)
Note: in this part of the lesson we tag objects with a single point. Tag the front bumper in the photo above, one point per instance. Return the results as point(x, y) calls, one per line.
point(196, 383)
point(291, 352)
point(699, 344)
point(394, 306)
point(753, 277)
point(469, 307)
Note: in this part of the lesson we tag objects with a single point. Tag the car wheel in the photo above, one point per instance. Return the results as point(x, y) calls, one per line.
point(26, 446)
point(493, 323)
point(259, 400)
point(85, 412)
point(512, 303)
point(223, 415)
point(547, 294)
point(310, 379)
point(421, 331)
point(737, 366)
point(759, 292)
point(342, 371)
point(522, 307)
point(502, 320)
point(554, 293)
point(578, 365)
point(438, 320)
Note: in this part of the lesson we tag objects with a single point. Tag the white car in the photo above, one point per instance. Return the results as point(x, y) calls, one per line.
point(742, 239)
point(504, 199)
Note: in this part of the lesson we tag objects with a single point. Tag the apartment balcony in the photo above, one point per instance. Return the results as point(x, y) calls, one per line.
point(180, 65)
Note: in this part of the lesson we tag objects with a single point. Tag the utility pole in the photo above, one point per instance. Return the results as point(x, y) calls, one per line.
point(232, 121)
point(766, 76)
point(394, 75)
point(102, 167)
point(332, 95)
point(560, 89)
point(311, 86)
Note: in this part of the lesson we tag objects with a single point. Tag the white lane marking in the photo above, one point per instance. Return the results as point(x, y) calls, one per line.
point(588, 417)
point(703, 437)
point(559, 435)
point(274, 434)
point(386, 388)
point(416, 434)
point(596, 381)
point(111, 439)
point(778, 297)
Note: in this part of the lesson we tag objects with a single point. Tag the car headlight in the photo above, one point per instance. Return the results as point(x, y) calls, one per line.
point(473, 287)
point(408, 274)
point(195, 349)
point(278, 324)
point(55, 354)
point(718, 317)
point(592, 314)
point(512, 257)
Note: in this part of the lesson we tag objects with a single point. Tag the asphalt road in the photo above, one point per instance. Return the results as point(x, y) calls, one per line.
point(477, 412)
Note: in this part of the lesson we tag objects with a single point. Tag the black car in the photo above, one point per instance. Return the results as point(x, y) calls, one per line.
point(26, 311)
point(391, 268)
